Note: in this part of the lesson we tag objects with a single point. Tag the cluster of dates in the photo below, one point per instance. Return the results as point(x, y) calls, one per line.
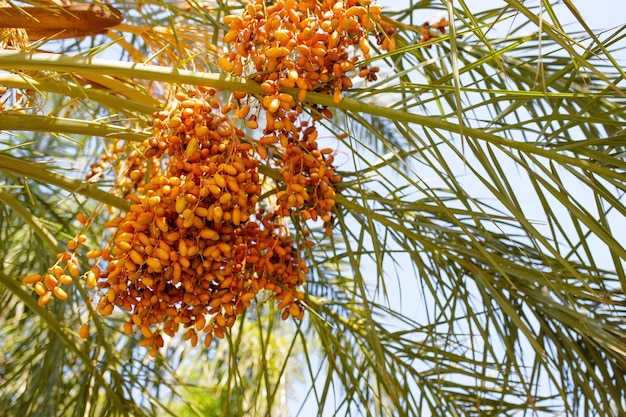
point(199, 242)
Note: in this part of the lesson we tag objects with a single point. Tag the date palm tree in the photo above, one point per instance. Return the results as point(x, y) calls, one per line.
point(472, 265)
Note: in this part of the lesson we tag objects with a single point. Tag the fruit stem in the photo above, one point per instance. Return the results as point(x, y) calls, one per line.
point(71, 89)
point(35, 123)
point(41, 174)
point(37, 61)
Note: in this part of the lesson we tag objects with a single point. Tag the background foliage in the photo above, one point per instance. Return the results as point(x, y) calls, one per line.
point(475, 268)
